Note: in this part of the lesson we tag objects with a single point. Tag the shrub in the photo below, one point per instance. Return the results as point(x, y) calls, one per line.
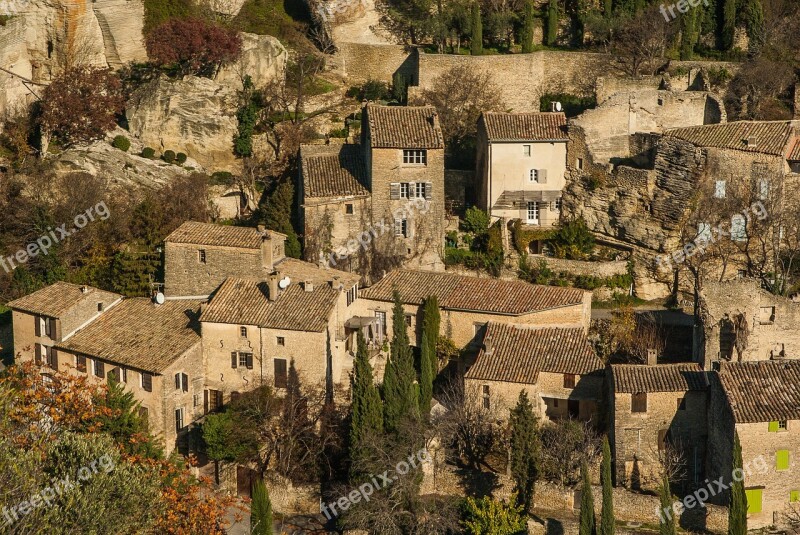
point(476, 221)
point(572, 105)
point(573, 240)
point(193, 46)
point(180, 158)
point(371, 90)
point(169, 156)
point(148, 152)
point(122, 143)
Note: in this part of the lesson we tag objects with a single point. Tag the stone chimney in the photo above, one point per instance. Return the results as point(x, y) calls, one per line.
point(652, 357)
point(273, 285)
point(488, 345)
point(308, 286)
point(84, 289)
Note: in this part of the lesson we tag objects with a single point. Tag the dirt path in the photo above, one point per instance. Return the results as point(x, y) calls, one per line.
point(365, 29)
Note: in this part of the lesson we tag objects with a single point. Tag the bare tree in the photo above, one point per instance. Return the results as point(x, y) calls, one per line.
point(565, 445)
point(792, 517)
point(640, 42)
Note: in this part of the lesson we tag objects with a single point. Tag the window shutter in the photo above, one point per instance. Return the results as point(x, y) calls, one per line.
point(205, 401)
point(394, 190)
point(38, 325)
point(773, 427)
point(53, 324)
point(249, 361)
point(398, 227)
point(177, 381)
point(185, 379)
point(37, 352)
point(542, 176)
point(428, 190)
point(234, 359)
point(101, 368)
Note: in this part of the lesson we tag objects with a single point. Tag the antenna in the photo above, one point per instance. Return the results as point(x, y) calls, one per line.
point(284, 283)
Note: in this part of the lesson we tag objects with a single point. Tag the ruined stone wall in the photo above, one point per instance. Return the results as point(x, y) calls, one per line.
point(581, 267)
point(185, 275)
point(360, 62)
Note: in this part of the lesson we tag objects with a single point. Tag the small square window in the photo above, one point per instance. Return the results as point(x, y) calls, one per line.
point(533, 175)
point(526, 150)
point(639, 402)
point(415, 157)
point(579, 163)
point(201, 256)
point(777, 425)
point(348, 209)
point(408, 320)
point(404, 190)
point(569, 380)
point(281, 341)
point(661, 102)
point(100, 307)
point(99, 368)
point(243, 331)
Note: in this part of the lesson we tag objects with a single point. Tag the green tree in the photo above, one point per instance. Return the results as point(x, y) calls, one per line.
point(225, 440)
point(552, 22)
point(277, 215)
point(690, 23)
point(486, 516)
point(524, 450)
point(607, 8)
point(400, 393)
point(366, 410)
point(587, 520)
point(528, 21)
point(573, 240)
point(260, 510)
point(754, 15)
point(429, 360)
point(737, 510)
point(728, 24)
point(607, 511)
point(667, 525)
point(122, 421)
point(476, 42)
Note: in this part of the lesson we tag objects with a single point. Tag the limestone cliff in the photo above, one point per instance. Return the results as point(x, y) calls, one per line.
point(263, 59)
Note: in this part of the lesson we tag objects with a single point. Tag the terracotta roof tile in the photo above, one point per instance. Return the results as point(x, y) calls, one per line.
point(771, 137)
point(140, 334)
point(460, 292)
point(794, 154)
point(337, 173)
point(539, 126)
point(762, 391)
point(57, 299)
point(633, 378)
point(519, 353)
point(217, 235)
point(404, 127)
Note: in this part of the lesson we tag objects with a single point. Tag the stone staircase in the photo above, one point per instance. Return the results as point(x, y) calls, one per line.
point(112, 55)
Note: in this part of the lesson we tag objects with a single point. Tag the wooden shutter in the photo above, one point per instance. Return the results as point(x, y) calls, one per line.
point(249, 359)
point(37, 351)
point(218, 395)
point(428, 190)
point(205, 401)
point(639, 402)
point(80, 363)
point(280, 373)
point(100, 368)
point(53, 323)
point(177, 381)
point(394, 190)
point(234, 359)
point(185, 381)
point(542, 176)
point(147, 382)
point(38, 325)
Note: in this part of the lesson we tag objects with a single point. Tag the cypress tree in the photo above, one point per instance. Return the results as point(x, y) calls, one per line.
point(607, 511)
point(607, 8)
point(278, 216)
point(260, 510)
point(429, 362)
point(366, 411)
point(527, 27)
point(587, 521)
point(524, 450)
point(689, 33)
point(552, 22)
point(667, 524)
point(476, 42)
point(728, 24)
point(754, 14)
point(400, 391)
point(737, 510)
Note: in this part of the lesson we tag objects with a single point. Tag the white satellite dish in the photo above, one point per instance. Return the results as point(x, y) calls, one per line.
point(558, 106)
point(284, 283)
point(160, 298)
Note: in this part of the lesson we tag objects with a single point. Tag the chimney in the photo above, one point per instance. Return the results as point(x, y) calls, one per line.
point(84, 289)
point(308, 286)
point(273, 285)
point(652, 357)
point(751, 141)
point(261, 228)
point(488, 345)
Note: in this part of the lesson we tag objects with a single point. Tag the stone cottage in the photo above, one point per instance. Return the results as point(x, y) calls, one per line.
point(380, 203)
point(521, 164)
point(556, 366)
point(657, 420)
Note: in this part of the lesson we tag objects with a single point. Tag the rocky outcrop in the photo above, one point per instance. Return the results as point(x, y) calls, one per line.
point(193, 115)
point(228, 8)
point(263, 59)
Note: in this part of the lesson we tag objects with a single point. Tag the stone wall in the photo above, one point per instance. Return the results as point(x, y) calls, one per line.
point(581, 267)
point(185, 275)
point(14, 57)
point(360, 62)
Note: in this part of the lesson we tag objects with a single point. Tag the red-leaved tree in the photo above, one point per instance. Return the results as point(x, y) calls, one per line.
point(81, 104)
point(193, 46)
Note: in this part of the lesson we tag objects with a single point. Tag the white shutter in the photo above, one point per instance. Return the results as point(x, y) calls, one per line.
point(394, 190)
point(428, 190)
point(542, 176)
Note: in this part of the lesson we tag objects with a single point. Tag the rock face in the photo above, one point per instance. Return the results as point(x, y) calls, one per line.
point(263, 59)
point(194, 115)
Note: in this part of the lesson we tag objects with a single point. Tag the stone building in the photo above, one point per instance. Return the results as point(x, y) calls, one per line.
point(380, 203)
point(468, 304)
point(555, 366)
point(760, 402)
point(521, 164)
point(657, 417)
point(740, 321)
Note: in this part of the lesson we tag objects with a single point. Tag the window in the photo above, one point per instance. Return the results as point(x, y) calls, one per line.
point(782, 460)
point(246, 360)
point(99, 307)
point(419, 190)
point(404, 190)
point(352, 294)
point(381, 320)
point(281, 374)
point(201, 256)
point(195, 400)
point(408, 320)
point(766, 315)
point(415, 157)
point(639, 402)
point(179, 419)
point(37, 353)
point(99, 368)
point(526, 150)
point(660, 101)
point(80, 363)
point(569, 380)
point(52, 357)
point(182, 382)
point(401, 227)
point(719, 189)
point(579, 163)
point(212, 400)
point(243, 331)
point(533, 176)
point(146, 381)
point(281, 341)
point(777, 425)
point(557, 205)
point(763, 189)
point(738, 228)
point(682, 404)
point(486, 403)
point(123, 375)
point(348, 209)
point(533, 213)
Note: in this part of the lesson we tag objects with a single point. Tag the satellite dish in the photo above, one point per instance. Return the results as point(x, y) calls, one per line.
point(558, 106)
point(160, 298)
point(284, 283)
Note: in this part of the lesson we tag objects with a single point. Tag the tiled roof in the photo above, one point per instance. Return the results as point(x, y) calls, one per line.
point(335, 173)
point(633, 378)
point(140, 334)
point(794, 154)
point(300, 271)
point(218, 235)
point(460, 292)
point(762, 391)
point(58, 298)
point(539, 126)
point(771, 137)
point(246, 302)
point(518, 353)
point(404, 127)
